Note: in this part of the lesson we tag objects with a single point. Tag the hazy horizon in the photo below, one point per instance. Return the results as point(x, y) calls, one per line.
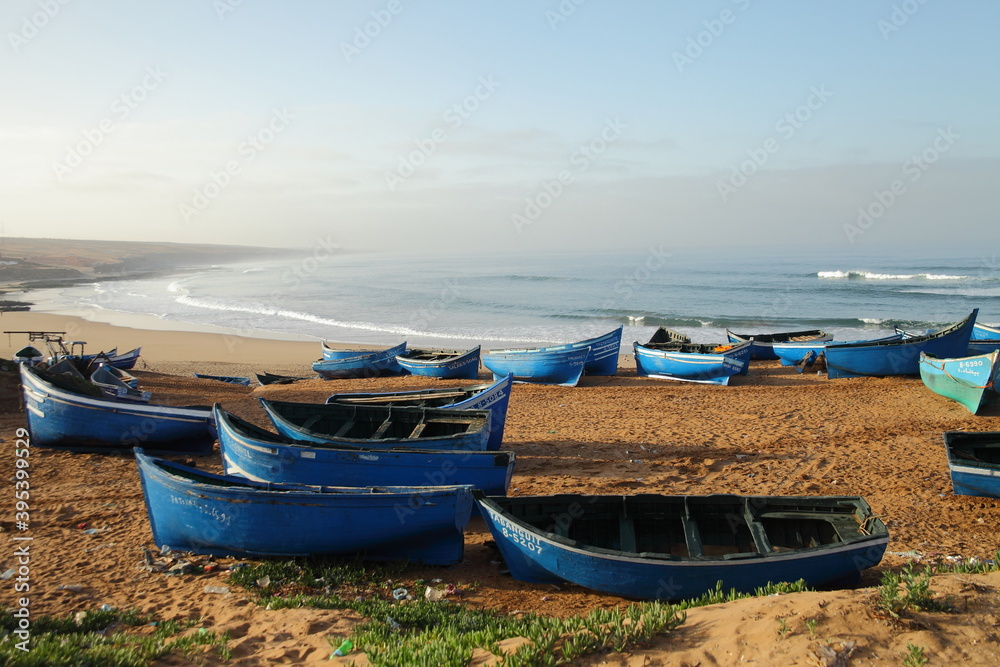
point(502, 126)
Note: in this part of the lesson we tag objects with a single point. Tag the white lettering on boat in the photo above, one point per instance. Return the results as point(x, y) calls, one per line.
point(516, 534)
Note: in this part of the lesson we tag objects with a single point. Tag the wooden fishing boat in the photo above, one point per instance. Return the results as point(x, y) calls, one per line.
point(604, 352)
point(444, 364)
point(125, 361)
point(29, 355)
point(664, 335)
point(899, 357)
point(537, 365)
point(346, 352)
point(985, 339)
point(763, 344)
point(494, 397)
point(974, 462)
point(970, 381)
point(255, 453)
point(264, 379)
point(674, 547)
point(192, 510)
point(804, 354)
point(228, 379)
point(692, 362)
point(61, 417)
point(380, 426)
point(364, 365)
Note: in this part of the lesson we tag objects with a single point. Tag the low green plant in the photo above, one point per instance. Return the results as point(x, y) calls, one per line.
point(103, 639)
point(908, 590)
point(915, 657)
point(783, 628)
point(811, 624)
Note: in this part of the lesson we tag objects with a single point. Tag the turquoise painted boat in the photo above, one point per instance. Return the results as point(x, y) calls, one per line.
point(971, 381)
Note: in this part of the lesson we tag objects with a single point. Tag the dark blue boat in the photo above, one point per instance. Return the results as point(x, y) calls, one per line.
point(228, 379)
point(692, 362)
point(763, 344)
point(192, 510)
point(494, 397)
point(255, 453)
point(380, 426)
point(899, 357)
point(346, 352)
point(562, 365)
point(443, 364)
point(674, 547)
point(974, 462)
point(803, 354)
point(60, 417)
point(371, 364)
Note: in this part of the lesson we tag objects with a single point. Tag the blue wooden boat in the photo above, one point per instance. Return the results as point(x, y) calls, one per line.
point(228, 379)
point(371, 364)
point(29, 355)
point(604, 352)
point(125, 361)
point(265, 378)
point(974, 462)
point(494, 397)
point(346, 352)
point(804, 354)
point(193, 510)
point(692, 362)
point(255, 453)
point(763, 344)
point(899, 357)
point(380, 426)
point(674, 547)
point(444, 364)
point(562, 366)
point(971, 381)
point(985, 332)
point(60, 417)
point(985, 339)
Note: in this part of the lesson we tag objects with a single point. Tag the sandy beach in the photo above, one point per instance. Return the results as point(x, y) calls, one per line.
point(774, 431)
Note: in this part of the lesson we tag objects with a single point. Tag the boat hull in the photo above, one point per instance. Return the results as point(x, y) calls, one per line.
point(364, 365)
point(902, 357)
point(494, 397)
point(64, 420)
point(762, 345)
point(797, 353)
point(562, 367)
point(604, 352)
point(648, 555)
point(974, 462)
point(190, 510)
point(715, 368)
point(463, 366)
point(970, 381)
point(259, 455)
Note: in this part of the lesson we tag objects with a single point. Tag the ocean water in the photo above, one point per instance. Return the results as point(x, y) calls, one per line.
point(536, 298)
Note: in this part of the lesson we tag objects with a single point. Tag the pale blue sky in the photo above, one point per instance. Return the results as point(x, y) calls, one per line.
point(272, 123)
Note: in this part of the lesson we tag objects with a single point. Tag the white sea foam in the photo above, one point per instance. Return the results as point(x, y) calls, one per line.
point(871, 275)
